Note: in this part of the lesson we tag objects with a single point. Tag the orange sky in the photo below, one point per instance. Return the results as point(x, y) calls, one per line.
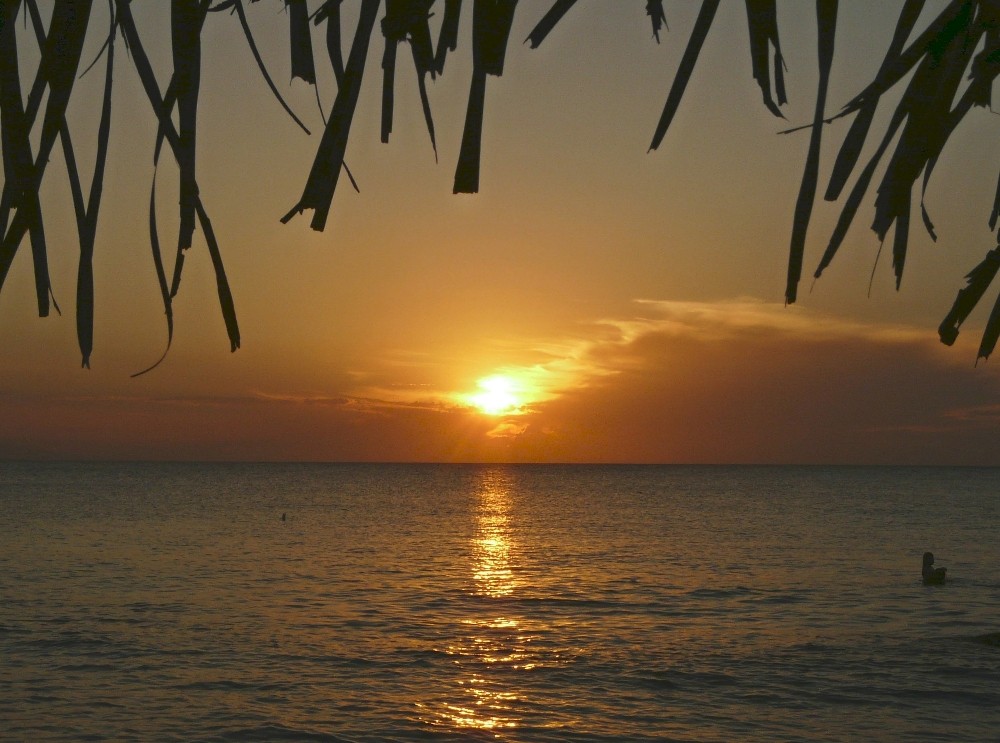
point(633, 297)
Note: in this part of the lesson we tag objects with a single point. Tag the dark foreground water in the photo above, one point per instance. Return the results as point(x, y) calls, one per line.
point(394, 602)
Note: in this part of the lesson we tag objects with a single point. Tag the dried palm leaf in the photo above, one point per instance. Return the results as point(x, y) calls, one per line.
point(57, 68)
point(238, 6)
point(991, 334)
point(934, 85)
point(850, 149)
point(549, 20)
point(222, 283)
point(448, 36)
point(406, 20)
point(86, 213)
point(393, 30)
point(423, 62)
point(17, 158)
point(762, 25)
point(329, 11)
point(854, 199)
point(996, 206)
point(938, 34)
point(491, 24)
point(186, 17)
point(977, 282)
point(161, 278)
point(322, 181)
point(300, 41)
point(658, 19)
point(940, 58)
point(169, 132)
point(917, 132)
point(701, 27)
point(826, 20)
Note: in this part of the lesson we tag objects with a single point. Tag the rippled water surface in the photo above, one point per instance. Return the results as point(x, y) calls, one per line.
point(425, 602)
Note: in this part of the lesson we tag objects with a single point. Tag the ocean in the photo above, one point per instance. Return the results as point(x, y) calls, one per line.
point(373, 602)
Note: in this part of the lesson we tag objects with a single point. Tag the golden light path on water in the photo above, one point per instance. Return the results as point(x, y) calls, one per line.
point(494, 538)
point(493, 649)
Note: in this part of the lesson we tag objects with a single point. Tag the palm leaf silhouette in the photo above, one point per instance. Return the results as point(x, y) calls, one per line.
point(826, 19)
point(322, 181)
point(549, 20)
point(698, 36)
point(959, 46)
point(762, 22)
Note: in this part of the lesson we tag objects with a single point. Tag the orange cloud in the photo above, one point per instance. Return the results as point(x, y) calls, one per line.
point(507, 430)
point(746, 381)
point(739, 381)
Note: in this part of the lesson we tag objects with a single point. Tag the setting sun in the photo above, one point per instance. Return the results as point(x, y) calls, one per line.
point(499, 395)
point(511, 390)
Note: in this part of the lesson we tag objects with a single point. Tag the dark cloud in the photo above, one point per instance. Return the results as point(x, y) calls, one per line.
point(720, 386)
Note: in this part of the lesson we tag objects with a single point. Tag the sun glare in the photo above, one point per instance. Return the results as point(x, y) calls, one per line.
point(498, 395)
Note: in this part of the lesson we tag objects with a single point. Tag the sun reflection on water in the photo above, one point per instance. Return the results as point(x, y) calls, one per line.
point(492, 545)
point(492, 650)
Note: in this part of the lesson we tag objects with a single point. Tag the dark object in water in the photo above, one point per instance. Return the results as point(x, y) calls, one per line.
point(932, 576)
point(283, 518)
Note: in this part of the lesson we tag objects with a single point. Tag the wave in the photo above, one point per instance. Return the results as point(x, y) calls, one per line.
point(278, 732)
point(991, 639)
point(229, 685)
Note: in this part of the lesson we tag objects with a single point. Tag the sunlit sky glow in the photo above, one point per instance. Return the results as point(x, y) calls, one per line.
point(498, 395)
point(594, 302)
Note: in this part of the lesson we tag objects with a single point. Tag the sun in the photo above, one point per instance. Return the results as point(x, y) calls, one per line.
point(499, 395)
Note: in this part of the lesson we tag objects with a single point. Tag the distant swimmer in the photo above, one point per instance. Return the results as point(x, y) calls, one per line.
point(932, 576)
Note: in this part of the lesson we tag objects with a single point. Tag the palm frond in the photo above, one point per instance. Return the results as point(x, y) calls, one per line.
point(762, 25)
point(698, 35)
point(448, 36)
point(322, 181)
point(850, 149)
point(826, 20)
point(959, 46)
point(300, 41)
point(241, 14)
point(548, 22)
point(491, 24)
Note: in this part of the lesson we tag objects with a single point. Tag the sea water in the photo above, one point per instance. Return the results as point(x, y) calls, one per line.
point(517, 603)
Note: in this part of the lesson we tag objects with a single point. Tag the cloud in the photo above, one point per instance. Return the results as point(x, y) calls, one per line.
point(984, 415)
point(747, 381)
point(735, 381)
point(507, 429)
point(738, 321)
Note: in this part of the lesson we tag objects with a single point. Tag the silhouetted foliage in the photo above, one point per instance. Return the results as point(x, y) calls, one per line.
point(960, 45)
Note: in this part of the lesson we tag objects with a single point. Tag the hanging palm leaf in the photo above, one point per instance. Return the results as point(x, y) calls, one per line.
point(550, 19)
point(826, 19)
point(322, 182)
point(960, 45)
point(691, 52)
point(491, 24)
